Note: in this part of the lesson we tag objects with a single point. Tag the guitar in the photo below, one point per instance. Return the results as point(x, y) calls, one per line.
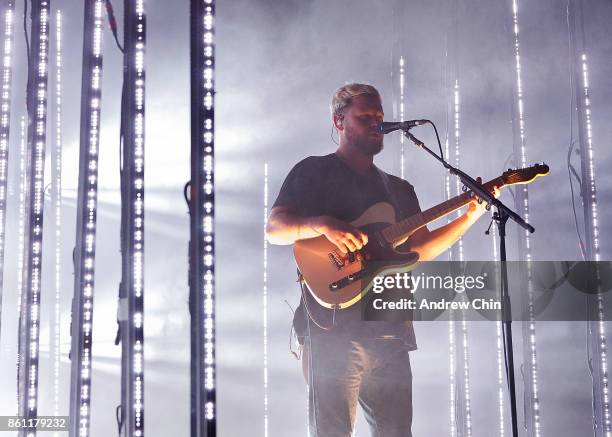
point(338, 280)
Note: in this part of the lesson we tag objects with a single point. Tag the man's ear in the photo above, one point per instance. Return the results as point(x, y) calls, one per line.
point(339, 122)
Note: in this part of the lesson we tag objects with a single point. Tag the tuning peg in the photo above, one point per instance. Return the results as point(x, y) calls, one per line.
point(488, 207)
point(463, 188)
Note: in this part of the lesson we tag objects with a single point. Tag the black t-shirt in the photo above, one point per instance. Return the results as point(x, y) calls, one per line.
point(326, 185)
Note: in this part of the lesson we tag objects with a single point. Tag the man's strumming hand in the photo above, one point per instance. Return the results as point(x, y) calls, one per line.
point(344, 236)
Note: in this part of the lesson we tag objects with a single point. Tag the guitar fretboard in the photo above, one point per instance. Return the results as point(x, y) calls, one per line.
point(404, 228)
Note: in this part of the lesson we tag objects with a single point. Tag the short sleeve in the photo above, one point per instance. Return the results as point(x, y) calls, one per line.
point(299, 190)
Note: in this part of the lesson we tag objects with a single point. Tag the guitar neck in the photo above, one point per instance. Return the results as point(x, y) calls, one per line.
point(406, 227)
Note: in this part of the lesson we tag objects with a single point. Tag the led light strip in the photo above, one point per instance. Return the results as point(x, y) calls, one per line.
point(453, 381)
point(451, 323)
point(591, 203)
point(5, 117)
point(521, 128)
point(457, 134)
point(138, 224)
point(499, 342)
point(463, 334)
point(401, 105)
point(21, 240)
point(203, 378)
point(602, 423)
point(133, 340)
point(85, 248)
point(265, 302)
point(57, 201)
point(522, 200)
point(466, 380)
point(500, 376)
point(209, 329)
point(596, 327)
point(591, 192)
point(453, 385)
point(30, 313)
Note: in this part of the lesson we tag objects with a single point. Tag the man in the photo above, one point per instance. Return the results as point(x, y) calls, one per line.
point(352, 361)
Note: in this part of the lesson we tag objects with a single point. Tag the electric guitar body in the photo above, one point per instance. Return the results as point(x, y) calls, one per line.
point(341, 279)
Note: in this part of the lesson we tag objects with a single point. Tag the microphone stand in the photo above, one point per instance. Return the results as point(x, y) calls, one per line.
point(501, 216)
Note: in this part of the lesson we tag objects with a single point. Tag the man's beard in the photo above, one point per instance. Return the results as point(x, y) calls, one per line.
point(368, 146)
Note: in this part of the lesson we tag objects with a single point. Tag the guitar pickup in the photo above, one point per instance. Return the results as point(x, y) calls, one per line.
point(336, 259)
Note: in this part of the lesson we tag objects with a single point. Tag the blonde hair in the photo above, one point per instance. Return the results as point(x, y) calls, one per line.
point(343, 97)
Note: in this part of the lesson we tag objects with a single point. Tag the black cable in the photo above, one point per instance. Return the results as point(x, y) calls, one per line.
point(437, 138)
point(573, 171)
point(309, 314)
point(570, 168)
point(298, 354)
point(112, 22)
point(186, 195)
point(331, 135)
point(119, 417)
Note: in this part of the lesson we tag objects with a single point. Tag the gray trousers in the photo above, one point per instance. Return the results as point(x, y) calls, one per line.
point(372, 372)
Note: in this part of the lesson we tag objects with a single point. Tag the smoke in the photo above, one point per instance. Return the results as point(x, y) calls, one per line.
point(278, 63)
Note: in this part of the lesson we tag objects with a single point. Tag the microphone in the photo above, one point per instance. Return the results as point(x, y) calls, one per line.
point(389, 126)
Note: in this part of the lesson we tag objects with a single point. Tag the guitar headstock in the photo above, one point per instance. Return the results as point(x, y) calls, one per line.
point(524, 175)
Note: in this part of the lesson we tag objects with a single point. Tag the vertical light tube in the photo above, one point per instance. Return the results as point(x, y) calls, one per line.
point(8, 12)
point(457, 153)
point(203, 379)
point(596, 327)
point(138, 220)
point(132, 219)
point(499, 342)
point(453, 378)
point(21, 239)
point(591, 202)
point(87, 198)
point(520, 149)
point(401, 105)
point(532, 408)
point(452, 324)
point(462, 333)
point(265, 301)
point(37, 124)
point(467, 400)
point(57, 202)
